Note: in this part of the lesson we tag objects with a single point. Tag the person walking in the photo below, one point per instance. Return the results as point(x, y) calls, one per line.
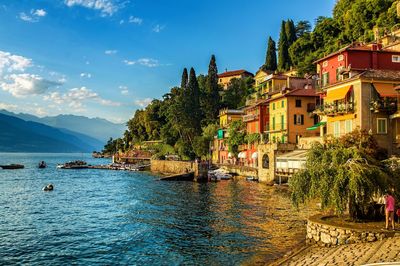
point(389, 209)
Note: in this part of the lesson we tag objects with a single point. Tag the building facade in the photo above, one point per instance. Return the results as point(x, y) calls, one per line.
point(225, 78)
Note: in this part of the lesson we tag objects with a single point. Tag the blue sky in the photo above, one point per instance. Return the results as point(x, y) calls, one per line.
point(107, 58)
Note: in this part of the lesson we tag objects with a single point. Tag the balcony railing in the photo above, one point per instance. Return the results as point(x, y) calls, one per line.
point(250, 117)
point(333, 109)
point(387, 105)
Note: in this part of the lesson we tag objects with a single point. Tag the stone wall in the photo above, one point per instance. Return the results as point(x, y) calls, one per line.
point(329, 235)
point(172, 167)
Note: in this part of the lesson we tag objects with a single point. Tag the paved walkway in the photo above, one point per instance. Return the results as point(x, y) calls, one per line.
point(387, 250)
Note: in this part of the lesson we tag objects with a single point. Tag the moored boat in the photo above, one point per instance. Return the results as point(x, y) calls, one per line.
point(12, 166)
point(73, 165)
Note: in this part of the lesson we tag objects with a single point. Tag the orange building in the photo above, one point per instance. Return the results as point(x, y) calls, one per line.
point(225, 78)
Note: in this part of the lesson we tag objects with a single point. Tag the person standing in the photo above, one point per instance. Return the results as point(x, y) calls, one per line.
point(389, 209)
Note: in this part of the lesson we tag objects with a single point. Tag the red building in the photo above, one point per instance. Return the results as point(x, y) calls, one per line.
point(356, 57)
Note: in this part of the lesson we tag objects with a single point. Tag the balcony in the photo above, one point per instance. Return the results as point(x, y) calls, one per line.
point(387, 105)
point(334, 109)
point(250, 117)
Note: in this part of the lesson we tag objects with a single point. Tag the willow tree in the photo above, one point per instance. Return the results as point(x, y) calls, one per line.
point(343, 177)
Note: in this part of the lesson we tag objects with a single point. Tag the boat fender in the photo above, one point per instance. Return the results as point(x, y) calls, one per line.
point(49, 187)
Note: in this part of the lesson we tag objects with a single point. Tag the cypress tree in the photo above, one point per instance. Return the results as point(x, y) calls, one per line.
point(283, 50)
point(290, 30)
point(193, 102)
point(210, 103)
point(270, 59)
point(184, 80)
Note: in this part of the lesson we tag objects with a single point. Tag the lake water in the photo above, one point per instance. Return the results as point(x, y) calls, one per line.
point(114, 217)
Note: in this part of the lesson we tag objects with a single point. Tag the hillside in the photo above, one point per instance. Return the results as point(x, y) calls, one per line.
point(17, 135)
point(96, 128)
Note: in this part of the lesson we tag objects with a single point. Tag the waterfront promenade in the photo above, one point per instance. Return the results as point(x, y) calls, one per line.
point(387, 250)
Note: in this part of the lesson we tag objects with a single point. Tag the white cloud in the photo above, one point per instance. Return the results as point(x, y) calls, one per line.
point(121, 22)
point(158, 28)
point(10, 62)
point(106, 7)
point(7, 106)
point(86, 75)
point(40, 12)
point(110, 52)
point(147, 62)
point(76, 98)
point(124, 90)
point(33, 16)
point(143, 102)
point(21, 85)
point(135, 20)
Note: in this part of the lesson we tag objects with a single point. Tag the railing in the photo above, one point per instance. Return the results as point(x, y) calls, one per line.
point(333, 109)
point(387, 105)
point(250, 117)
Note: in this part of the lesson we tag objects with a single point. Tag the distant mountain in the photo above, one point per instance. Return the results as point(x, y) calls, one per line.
point(17, 135)
point(98, 128)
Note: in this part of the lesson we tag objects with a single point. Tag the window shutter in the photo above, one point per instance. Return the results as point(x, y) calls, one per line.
point(295, 119)
point(302, 119)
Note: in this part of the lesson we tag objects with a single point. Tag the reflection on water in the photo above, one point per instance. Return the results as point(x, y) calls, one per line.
point(106, 217)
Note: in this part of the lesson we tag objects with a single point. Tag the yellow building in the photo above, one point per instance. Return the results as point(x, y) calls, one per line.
point(225, 78)
point(220, 152)
point(290, 114)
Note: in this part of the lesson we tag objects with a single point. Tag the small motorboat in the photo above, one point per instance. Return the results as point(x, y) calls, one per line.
point(73, 165)
point(12, 166)
point(42, 164)
point(219, 174)
point(49, 187)
point(252, 178)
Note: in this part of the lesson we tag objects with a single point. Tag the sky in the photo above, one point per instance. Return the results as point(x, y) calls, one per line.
point(108, 58)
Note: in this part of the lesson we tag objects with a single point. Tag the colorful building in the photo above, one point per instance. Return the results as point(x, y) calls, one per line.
point(291, 113)
point(220, 148)
point(358, 91)
point(225, 78)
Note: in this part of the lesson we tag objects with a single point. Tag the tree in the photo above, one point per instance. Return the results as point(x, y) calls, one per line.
point(290, 30)
point(210, 104)
point(302, 27)
point(236, 137)
point(238, 90)
point(341, 173)
point(270, 59)
point(283, 53)
point(184, 80)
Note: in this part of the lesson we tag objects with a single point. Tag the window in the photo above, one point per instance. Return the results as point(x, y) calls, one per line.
point(340, 57)
point(273, 106)
point(325, 64)
point(298, 103)
point(283, 104)
point(282, 122)
point(325, 79)
point(220, 80)
point(348, 126)
point(265, 161)
point(299, 119)
point(336, 129)
point(382, 125)
point(283, 139)
point(273, 123)
point(338, 75)
point(396, 58)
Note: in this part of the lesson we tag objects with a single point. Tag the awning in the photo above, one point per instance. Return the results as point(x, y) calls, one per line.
point(316, 126)
point(254, 155)
point(385, 90)
point(229, 155)
point(337, 94)
point(242, 155)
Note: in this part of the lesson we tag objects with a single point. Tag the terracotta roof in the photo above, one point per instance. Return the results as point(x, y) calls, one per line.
point(356, 47)
point(382, 74)
point(234, 73)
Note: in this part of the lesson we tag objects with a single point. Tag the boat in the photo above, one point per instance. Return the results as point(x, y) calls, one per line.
point(73, 165)
point(252, 178)
point(12, 166)
point(42, 164)
point(219, 174)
